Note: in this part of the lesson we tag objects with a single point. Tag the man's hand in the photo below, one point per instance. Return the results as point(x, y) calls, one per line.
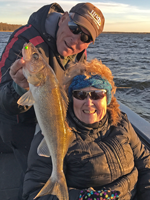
point(17, 74)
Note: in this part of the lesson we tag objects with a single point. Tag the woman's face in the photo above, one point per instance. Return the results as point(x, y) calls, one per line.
point(90, 111)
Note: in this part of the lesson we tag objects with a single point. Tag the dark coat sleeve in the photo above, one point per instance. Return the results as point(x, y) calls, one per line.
point(8, 95)
point(142, 162)
point(38, 172)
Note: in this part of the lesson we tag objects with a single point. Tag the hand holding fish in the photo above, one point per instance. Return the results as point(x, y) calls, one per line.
point(17, 74)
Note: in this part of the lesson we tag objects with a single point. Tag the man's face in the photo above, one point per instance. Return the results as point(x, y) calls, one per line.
point(67, 42)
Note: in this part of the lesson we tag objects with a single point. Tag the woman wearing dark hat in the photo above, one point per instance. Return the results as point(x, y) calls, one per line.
point(106, 159)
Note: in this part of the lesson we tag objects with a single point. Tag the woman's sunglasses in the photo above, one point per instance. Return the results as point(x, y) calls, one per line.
point(75, 29)
point(94, 95)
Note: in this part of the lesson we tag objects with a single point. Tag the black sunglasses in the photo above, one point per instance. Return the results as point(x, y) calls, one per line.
point(75, 29)
point(94, 95)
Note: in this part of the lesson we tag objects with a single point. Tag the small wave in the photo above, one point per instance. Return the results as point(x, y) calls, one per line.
point(133, 46)
point(124, 83)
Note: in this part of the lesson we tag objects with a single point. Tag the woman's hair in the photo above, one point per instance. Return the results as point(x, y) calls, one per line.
point(95, 67)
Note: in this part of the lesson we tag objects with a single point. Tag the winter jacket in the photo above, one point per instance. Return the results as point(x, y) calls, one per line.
point(101, 155)
point(13, 118)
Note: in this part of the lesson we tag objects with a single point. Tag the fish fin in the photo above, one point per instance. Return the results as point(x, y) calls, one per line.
point(42, 149)
point(26, 99)
point(56, 186)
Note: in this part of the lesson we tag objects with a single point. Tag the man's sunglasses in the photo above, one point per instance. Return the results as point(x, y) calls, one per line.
point(75, 29)
point(94, 95)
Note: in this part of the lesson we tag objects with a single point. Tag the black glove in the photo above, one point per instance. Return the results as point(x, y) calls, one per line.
point(100, 194)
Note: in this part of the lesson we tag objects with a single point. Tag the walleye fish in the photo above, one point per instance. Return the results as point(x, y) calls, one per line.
point(50, 104)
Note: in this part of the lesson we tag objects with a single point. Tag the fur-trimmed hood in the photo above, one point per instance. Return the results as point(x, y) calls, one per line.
point(92, 68)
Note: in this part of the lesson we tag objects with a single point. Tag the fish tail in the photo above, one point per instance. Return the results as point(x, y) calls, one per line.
point(56, 187)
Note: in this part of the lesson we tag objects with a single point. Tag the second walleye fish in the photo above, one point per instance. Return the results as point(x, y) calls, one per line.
point(50, 104)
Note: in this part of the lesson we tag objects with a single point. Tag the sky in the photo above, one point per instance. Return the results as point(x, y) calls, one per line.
point(120, 15)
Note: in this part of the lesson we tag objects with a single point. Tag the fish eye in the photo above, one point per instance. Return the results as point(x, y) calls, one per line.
point(36, 56)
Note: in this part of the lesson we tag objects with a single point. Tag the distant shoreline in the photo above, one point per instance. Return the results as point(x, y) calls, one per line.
point(6, 31)
point(12, 27)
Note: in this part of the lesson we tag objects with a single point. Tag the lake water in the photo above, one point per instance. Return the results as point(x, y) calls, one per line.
point(128, 56)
